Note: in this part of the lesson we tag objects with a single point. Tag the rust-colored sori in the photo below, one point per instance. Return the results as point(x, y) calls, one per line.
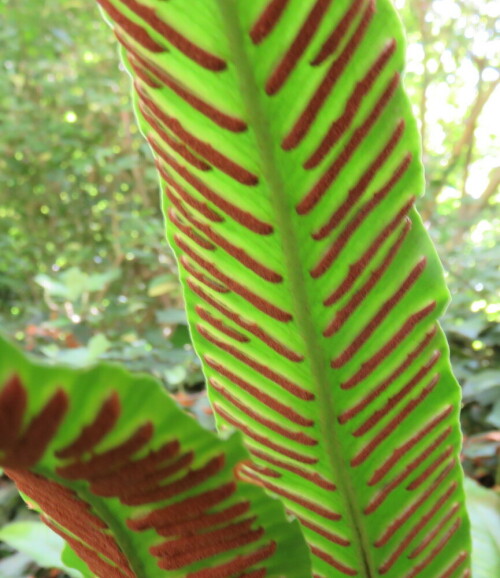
point(289, 162)
point(193, 528)
point(283, 358)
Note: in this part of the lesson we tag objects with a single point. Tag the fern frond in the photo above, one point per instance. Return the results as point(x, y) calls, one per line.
point(290, 163)
point(136, 487)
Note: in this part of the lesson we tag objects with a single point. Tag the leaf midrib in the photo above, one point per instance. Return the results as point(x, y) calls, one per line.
point(294, 267)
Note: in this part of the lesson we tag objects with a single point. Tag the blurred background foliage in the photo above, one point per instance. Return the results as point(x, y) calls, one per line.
point(85, 272)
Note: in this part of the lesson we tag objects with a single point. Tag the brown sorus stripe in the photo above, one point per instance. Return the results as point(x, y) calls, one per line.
point(267, 20)
point(301, 501)
point(121, 487)
point(263, 471)
point(134, 30)
point(416, 529)
point(425, 475)
point(202, 148)
point(241, 216)
point(69, 515)
point(262, 439)
point(120, 484)
point(403, 449)
point(238, 565)
point(30, 446)
point(202, 278)
point(392, 426)
point(175, 145)
point(459, 561)
point(219, 117)
point(200, 541)
point(317, 192)
point(417, 570)
point(257, 301)
point(334, 538)
point(397, 339)
point(308, 116)
point(377, 391)
point(393, 400)
point(90, 556)
point(361, 186)
point(13, 402)
point(350, 307)
point(298, 46)
point(212, 547)
point(189, 481)
point(265, 371)
point(102, 464)
point(357, 268)
point(191, 50)
point(104, 543)
point(179, 148)
point(334, 563)
point(92, 434)
point(189, 231)
point(136, 469)
point(212, 155)
point(201, 521)
point(310, 476)
point(429, 537)
point(339, 126)
point(381, 314)
point(142, 73)
point(68, 510)
point(247, 325)
point(268, 400)
point(338, 244)
point(220, 325)
point(242, 256)
point(379, 498)
point(199, 206)
point(124, 39)
point(56, 500)
point(189, 508)
point(332, 43)
point(400, 520)
point(299, 437)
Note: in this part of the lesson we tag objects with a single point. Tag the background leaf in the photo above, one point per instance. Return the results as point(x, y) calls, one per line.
point(484, 511)
point(38, 542)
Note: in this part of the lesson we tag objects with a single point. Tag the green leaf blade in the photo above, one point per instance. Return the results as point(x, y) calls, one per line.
point(135, 486)
point(484, 510)
point(312, 287)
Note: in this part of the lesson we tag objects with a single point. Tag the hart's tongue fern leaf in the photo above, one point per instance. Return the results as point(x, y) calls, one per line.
point(290, 163)
point(136, 488)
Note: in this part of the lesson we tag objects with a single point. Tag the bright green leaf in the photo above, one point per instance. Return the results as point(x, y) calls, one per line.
point(290, 162)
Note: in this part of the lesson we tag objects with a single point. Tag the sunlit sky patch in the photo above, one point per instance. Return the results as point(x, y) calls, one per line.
point(449, 101)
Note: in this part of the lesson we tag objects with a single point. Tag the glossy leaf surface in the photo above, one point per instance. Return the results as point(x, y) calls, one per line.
point(290, 162)
point(136, 487)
